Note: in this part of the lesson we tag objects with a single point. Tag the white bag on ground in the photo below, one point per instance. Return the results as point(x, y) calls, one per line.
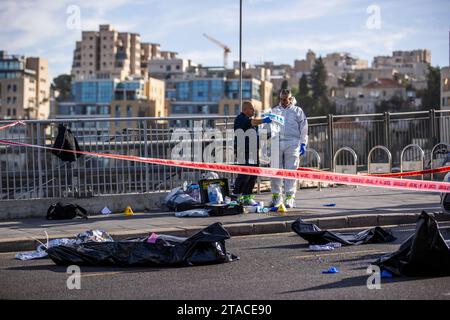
point(193, 213)
point(215, 194)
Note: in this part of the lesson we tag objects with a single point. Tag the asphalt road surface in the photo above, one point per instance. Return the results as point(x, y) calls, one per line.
point(275, 266)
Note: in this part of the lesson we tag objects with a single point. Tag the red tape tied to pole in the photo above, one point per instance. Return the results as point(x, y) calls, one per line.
point(302, 174)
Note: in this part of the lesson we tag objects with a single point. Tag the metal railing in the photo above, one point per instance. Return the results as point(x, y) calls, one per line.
point(36, 173)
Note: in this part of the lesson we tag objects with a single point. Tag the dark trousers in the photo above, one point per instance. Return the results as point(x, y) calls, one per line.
point(245, 183)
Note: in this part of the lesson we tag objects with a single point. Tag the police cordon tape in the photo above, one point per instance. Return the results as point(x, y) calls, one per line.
point(397, 174)
point(308, 174)
point(412, 173)
point(12, 124)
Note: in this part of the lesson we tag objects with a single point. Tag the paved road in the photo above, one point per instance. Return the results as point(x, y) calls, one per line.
point(275, 266)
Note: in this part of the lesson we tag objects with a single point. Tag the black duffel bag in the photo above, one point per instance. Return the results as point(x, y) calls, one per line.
point(62, 211)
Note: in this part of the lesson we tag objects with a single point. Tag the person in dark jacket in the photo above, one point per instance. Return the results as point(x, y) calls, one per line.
point(246, 150)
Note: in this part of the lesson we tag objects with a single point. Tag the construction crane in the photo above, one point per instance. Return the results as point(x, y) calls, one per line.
point(226, 49)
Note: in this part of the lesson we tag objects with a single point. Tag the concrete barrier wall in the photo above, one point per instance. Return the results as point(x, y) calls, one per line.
point(16, 209)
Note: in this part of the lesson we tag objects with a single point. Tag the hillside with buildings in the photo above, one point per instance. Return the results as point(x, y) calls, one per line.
point(114, 74)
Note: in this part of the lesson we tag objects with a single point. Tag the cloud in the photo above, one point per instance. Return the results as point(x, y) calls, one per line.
point(366, 43)
point(296, 11)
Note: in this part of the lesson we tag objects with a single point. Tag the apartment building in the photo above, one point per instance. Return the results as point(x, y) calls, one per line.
point(400, 58)
point(339, 64)
point(215, 91)
point(364, 98)
point(168, 66)
point(279, 73)
point(107, 53)
point(112, 98)
point(304, 66)
point(24, 87)
point(412, 64)
point(367, 75)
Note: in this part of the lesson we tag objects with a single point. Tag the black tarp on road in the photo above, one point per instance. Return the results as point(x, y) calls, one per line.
point(315, 236)
point(205, 247)
point(425, 253)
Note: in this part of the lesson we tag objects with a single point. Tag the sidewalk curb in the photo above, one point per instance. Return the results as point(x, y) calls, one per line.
point(243, 229)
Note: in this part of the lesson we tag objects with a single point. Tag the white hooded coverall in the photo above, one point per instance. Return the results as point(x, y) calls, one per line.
point(290, 136)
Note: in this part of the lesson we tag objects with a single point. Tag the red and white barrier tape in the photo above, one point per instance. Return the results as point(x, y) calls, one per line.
point(311, 175)
point(397, 174)
point(412, 173)
point(12, 124)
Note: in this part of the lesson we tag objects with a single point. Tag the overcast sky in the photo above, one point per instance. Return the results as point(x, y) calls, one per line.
point(279, 31)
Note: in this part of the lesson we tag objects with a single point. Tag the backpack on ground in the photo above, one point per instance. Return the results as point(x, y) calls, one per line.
point(61, 211)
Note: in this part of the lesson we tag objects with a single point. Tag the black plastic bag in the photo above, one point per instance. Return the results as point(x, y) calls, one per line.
point(178, 200)
point(315, 236)
point(425, 253)
point(218, 210)
point(205, 247)
point(62, 211)
point(67, 141)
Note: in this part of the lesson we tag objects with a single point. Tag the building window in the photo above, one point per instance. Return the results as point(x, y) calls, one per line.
point(8, 101)
point(9, 112)
point(105, 110)
point(14, 111)
point(14, 88)
point(182, 89)
point(226, 109)
point(14, 100)
point(129, 115)
point(237, 110)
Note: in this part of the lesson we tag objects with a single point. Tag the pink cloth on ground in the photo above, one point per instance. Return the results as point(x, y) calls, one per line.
point(152, 238)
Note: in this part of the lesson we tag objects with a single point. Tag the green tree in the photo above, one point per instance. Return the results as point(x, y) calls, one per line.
point(284, 85)
point(62, 84)
point(431, 97)
point(318, 105)
point(303, 88)
point(318, 79)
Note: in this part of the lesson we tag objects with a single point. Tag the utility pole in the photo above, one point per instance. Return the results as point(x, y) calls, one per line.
point(240, 53)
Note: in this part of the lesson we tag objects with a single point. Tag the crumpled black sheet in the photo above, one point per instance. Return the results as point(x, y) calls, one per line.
point(425, 253)
point(315, 236)
point(205, 247)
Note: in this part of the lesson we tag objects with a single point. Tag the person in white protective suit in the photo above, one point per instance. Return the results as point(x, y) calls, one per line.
point(292, 138)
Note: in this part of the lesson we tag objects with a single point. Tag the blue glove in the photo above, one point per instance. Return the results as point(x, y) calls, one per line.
point(302, 149)
point(267, 120)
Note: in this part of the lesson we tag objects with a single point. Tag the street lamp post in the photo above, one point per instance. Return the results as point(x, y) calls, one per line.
point(240, 54)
